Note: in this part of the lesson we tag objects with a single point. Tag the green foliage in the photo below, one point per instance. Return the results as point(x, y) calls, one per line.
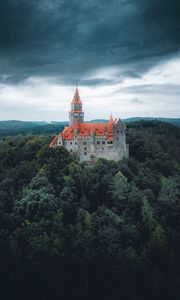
point(109, 230)
point(147, 215)
point(158, 238)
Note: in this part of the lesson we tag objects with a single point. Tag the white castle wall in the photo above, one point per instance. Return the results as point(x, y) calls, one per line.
point(92, 147)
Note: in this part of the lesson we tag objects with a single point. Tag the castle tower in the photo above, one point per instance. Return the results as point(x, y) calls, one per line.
point(76, 113)
point(90, 141)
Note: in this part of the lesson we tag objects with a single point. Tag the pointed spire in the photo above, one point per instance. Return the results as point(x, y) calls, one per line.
point(76, 99)
point(111, 120)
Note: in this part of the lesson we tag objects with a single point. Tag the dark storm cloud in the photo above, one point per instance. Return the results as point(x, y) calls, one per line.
point(70, 39)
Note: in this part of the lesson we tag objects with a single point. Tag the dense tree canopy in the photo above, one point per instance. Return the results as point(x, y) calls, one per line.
point(78, 231)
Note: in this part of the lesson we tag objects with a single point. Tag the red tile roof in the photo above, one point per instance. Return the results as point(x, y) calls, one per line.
point(86, 129)
point(76, 99)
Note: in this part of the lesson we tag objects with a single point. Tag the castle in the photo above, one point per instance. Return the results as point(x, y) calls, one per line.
point(90, 141)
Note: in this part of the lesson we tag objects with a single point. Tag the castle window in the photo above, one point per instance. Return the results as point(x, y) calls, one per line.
point(103, 142)
point(98, 142)
point(84, 143)
point(117, 131)
point(85, 148)
point(117, 139)
point(85, 153)
point(75, 143)
point(70, 143)
point(102, 148)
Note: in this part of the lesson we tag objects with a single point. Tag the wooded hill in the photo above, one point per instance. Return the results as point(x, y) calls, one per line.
point(74, 231)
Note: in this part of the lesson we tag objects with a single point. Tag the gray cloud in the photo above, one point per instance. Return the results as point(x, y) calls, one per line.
point(168, 89)
point(137, 101)
point(69, 39)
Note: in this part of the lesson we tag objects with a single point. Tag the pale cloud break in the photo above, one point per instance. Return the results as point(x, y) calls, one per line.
point(156, 93)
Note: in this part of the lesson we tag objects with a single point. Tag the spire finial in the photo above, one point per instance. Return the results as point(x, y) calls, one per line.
point(76, 85)
point(111, 118)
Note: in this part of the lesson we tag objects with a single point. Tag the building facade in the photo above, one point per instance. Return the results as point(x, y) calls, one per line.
point(90, 141)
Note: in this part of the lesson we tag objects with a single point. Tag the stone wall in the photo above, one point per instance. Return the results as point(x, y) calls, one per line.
point(92, 147)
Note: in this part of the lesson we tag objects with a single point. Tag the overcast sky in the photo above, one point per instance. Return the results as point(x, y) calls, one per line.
point(125, 55)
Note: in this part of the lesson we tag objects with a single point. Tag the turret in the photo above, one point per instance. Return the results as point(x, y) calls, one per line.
point(76, 113)
point(111, 120)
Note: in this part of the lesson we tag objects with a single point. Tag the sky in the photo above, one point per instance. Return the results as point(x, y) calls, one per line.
point(124, 54)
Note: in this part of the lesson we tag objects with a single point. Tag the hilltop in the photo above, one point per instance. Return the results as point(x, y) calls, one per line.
point(107, 231)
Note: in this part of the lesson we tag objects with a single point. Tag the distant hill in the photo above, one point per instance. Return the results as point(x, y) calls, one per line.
point(98, 121)
point(19, 124)
point(15, 127)
point(174, 121)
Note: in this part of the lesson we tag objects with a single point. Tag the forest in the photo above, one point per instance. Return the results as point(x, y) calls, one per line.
point(105, 231)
